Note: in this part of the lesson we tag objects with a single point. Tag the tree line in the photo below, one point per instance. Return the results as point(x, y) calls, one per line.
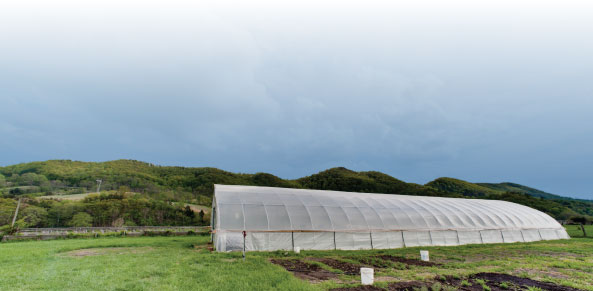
point(114, 209)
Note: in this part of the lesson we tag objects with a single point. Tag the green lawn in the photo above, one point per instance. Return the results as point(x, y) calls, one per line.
point(185, 263)
point(575, 230)
point(143, 263)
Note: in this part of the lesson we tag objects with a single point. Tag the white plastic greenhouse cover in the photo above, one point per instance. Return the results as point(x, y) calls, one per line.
point(284, 218)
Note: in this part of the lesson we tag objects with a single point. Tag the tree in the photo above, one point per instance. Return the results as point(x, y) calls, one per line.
point(7, 207)
point(81, 219)
point(16, 191)
point(566, 214)
point(2, 181)
point(34, 216)
point(123, 190)
point(201, 214)
point(60, 213)
point(32, 179)
point(187, 211)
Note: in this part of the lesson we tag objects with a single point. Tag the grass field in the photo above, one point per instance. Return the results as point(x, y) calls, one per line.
point(575, 231)
point(185, 263)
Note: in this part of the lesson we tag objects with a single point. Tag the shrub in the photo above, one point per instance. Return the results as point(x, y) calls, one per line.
point(81, 219)
point(7, 229)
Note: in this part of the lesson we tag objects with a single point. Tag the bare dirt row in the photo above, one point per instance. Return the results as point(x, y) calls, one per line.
point(307, 270)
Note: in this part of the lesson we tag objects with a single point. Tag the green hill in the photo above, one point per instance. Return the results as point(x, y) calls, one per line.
point(166, 183)
point(342, 179)
point(137, 190)
point(512, 187)
point(462, 187)
point(555, 205)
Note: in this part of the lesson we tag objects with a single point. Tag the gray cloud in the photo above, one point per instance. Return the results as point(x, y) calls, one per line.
point(479, 93)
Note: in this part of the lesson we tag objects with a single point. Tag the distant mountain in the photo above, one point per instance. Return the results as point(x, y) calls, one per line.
point(483, 189)
point(195, 185)
point(512, 187)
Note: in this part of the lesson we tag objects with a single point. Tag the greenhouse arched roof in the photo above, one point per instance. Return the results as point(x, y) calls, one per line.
point(265, 211)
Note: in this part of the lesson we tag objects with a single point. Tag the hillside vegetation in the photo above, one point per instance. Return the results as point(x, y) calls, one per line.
point(512, 187)
point(462, 187)
point(138, 193)
point(562, 208)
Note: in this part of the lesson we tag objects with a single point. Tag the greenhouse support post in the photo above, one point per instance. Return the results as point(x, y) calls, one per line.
point(335, 245)
point(244, 235)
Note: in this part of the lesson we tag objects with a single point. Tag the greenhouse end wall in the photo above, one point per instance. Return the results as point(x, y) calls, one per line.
point(269, 219)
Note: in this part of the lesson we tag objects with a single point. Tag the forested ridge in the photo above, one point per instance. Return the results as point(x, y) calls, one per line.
point(138, 193)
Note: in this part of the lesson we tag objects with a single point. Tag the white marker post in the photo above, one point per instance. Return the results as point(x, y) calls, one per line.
point(367, 276)
point(424, 256)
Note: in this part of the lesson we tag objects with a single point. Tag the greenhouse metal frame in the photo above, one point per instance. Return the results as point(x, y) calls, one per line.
point(254, 218)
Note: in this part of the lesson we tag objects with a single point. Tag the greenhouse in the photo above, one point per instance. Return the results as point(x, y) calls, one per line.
point(268, 218)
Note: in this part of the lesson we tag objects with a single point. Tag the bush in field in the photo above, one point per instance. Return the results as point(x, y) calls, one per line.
point(81, 219)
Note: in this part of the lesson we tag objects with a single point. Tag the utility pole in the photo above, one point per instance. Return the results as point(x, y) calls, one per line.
point(16, 212)
point(99, 181)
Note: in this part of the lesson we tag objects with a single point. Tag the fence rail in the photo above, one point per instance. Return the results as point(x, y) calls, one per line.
point(103, 229)
point(65, 232)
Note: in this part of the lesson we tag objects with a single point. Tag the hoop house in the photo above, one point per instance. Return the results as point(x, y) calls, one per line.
point(267, 219)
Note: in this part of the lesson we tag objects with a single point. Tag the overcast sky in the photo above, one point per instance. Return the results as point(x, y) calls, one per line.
point(485, 91)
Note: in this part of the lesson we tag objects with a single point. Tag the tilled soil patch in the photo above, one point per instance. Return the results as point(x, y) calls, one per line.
point(304, 270)
point(347, 268)
point(498, 278)
point(407, 261)
point(494, 281)
point(407, 286)
point(473, 285)
point(398, 286)
point(358, 288)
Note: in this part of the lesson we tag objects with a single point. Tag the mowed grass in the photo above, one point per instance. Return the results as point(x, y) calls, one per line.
point(185, 263)
point(146, 263)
